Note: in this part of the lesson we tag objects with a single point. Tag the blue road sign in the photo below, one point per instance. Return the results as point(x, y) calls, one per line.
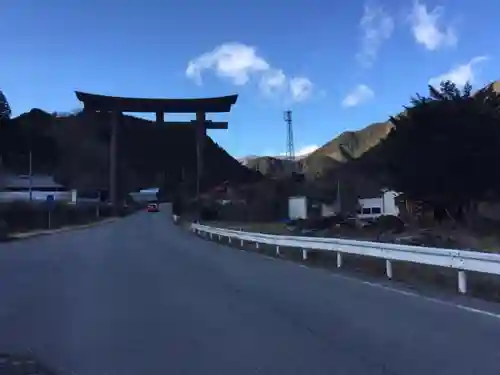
point(50, 201)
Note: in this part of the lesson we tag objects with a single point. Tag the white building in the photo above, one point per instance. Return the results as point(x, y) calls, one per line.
point(302, 207)
point(383, 204)
point(145, 195)
point(297, 208)
point(17, 188)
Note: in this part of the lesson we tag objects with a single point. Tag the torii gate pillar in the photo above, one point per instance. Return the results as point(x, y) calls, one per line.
point(118, 105)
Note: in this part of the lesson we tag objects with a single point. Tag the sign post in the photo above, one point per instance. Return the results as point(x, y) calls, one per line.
point(98, 204)
point(50, 207)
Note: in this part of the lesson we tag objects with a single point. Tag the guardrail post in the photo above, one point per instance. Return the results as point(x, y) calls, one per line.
point(388, 268)
point(457, 261)
point(462, 282)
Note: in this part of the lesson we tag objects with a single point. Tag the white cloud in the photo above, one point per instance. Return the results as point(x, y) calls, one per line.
point(460, 74)
point(358, 95)
point(301, 88)
point(427, 29)
point(300, 153)
point(231, 60)
point(306, 150)
point(376, 26)
point(273, 81)
point(240, 63)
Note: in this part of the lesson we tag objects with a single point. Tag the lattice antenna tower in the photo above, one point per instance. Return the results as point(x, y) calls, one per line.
point(290, 150)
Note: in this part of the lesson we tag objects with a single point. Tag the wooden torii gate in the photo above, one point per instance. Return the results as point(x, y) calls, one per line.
point(118, 105)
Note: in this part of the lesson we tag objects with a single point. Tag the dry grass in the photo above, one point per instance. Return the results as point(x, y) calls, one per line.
point(489, 243)
point(462, 238)
point(34, 233)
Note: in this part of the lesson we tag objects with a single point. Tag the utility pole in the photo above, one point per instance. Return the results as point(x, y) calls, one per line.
point(201, 134)
point(30, 161)
point(113, 165)
point(339, 202)
point(30, 188)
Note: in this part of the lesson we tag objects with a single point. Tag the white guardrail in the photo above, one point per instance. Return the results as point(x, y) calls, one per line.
point(461, 260)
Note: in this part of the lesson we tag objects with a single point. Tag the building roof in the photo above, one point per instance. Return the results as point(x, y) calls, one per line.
point(192, 105)
point(23, 181)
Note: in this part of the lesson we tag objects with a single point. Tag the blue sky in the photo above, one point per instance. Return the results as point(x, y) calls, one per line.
point(338, 65)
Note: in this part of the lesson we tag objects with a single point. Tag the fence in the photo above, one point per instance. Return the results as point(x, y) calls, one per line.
point(460, 260)
point(36, 195)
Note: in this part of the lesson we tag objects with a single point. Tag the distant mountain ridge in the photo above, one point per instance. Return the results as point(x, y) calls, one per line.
point(328, 156)
point(245, 159)
point(332, 154)
point(355, 143)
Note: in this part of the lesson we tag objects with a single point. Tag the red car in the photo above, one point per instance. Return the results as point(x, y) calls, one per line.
point(153, 207)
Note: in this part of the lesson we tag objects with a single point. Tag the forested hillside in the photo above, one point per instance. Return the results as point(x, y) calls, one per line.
point(75, 148)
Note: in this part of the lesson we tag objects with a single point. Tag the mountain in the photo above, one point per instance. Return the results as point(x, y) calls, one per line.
point(330, 156)
point(493, 86)
point(256, 160)
point(246, 159)
point(75, 149)
point(269, 165)
point(348, 145)
point(355, 143)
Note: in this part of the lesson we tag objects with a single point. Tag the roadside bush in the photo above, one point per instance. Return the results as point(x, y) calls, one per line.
point(21, 216)
point(388, 223)
point(234, 212)
point(4, 230)
point(209, 212)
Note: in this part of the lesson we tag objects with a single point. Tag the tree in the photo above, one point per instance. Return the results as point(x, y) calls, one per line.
point(5, 111)
point(444, 148)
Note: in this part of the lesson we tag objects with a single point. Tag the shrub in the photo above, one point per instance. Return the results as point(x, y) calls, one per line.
point(21, 215)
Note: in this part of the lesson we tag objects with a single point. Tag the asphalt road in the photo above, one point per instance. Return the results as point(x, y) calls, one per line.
point(140, 296)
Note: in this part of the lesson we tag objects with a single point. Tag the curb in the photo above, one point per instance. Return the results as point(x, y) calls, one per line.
point(27, 235)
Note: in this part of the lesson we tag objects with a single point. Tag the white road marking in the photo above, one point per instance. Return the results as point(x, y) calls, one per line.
point(391, 289)
point(400, 291)
point(431, 299)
